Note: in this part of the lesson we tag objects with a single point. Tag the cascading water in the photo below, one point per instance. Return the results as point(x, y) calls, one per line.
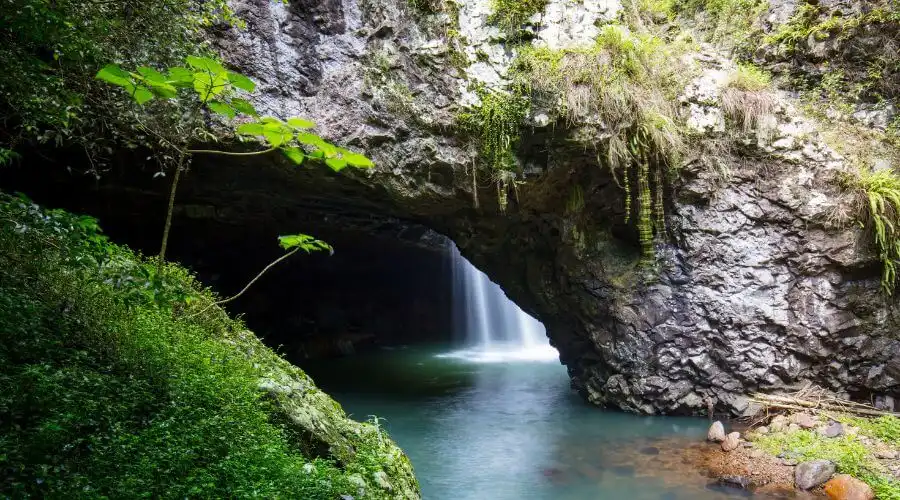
point(494, 327)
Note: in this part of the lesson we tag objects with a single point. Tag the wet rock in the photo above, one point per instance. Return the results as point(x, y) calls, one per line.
point(810, 474)
point(716, 432)
point(731, 442)
point(650, 450)
point(735, 482)
point(833, 430)
point(845, 487)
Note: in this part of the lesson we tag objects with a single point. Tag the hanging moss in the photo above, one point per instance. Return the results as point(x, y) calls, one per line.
point(496, 124)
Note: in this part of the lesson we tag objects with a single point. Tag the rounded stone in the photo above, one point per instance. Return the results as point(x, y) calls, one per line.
point(716, 432)
point(731, 441)
point(808, 475)
point(846, 487)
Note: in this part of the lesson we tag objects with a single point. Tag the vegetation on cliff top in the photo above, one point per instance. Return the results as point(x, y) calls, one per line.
point(118, 381)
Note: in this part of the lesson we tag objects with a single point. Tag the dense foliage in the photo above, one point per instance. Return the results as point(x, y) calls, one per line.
point(52, 49)
point(113, 385)
point(849, 454)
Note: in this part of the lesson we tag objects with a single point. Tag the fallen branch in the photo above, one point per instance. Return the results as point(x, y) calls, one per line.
point(820, 403)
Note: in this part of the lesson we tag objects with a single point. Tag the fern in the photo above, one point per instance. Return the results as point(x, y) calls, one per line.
point(880, 194)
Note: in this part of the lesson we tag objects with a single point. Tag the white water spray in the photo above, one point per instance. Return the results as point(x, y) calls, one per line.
point(494, 327)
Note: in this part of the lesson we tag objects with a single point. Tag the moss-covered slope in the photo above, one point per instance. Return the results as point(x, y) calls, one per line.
point(118, 381)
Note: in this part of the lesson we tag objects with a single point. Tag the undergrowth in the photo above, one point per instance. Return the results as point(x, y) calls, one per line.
point(624, 88)
point(113, 386)
point(848, 454)
point(511, 15)
point(885, 428)
point(878, 194)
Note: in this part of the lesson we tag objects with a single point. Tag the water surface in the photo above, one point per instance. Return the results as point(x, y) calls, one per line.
point(476, 428)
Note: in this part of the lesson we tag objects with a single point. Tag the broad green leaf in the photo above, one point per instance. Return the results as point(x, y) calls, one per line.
point(297, 122)
point(275, 139)
point(208, 86)
point(221, 108)
point(317, 154)
point(205, 64)
point(304, 242)
point(309, 139)
point(112, 73)
point(181, 77)
point(336, 164)
point(329, 150)
point(256, 129)
point(242, 82)
point(294, 154)
point(356, 160)
point(270, 119)
point(151, 75)
point(244, 106)
point(142, 95)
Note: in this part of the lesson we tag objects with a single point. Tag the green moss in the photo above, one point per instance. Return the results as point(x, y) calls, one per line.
point(848, 454)
point(117, 381)
point(511, 15)
point(885, 428)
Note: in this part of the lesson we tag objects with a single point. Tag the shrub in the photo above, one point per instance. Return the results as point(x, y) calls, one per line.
point(112, 384)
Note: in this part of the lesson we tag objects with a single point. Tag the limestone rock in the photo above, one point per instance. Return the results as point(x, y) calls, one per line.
point(846, 487)
point(716, 432)
point(731, 442)
point(808, 475)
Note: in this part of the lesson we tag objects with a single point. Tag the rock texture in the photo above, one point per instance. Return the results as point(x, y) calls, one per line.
point(808, 475)
point(753, 290)
point(845, 487)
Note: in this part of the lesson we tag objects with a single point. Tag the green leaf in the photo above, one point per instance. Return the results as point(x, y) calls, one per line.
point(221, 108)
point(205, 64)
point(142, 95)
point(300, 123)
point(336, 164)
point(309, 139)
point(151, 75)
point(294, 154)
point(242, 82)
point(256, 129)
point(181, 77)
point(304, 242)
point(208, 86)
point(244, 106)
point(112, 73)
point(356, 160)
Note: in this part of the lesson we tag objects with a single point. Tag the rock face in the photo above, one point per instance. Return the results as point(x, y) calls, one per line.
point(808, 475)
point(753, 290)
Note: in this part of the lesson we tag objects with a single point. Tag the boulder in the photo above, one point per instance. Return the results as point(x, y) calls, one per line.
point(716, 432)
point(731, 441)
point(845, 487)
point(810, 474)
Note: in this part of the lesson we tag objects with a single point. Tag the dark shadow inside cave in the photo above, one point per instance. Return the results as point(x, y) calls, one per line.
point(388, 281)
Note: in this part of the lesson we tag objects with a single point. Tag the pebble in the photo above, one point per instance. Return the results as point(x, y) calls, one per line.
point(793, 428)
point(886, 455)
point(762, 430)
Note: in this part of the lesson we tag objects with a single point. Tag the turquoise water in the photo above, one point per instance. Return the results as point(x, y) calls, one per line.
point(514, 430)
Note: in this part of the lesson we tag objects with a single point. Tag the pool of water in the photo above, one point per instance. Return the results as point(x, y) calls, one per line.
point(477, 427)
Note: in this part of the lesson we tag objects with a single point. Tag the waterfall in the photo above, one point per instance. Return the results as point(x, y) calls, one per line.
point(493, 327)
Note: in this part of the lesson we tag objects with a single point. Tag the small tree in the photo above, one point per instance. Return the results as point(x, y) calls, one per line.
point(205, 86)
